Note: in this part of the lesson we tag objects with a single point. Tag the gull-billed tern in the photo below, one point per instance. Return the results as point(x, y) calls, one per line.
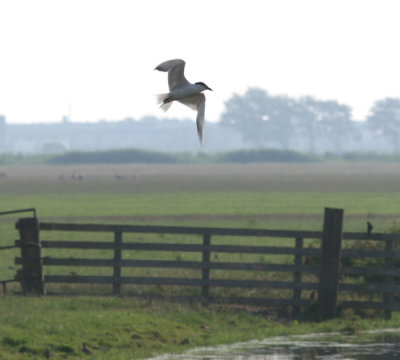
point(183, 91)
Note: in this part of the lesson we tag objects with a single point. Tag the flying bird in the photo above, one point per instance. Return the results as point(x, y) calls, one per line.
point(183, 91)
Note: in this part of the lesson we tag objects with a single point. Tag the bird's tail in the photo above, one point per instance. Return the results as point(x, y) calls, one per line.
point(164, 101)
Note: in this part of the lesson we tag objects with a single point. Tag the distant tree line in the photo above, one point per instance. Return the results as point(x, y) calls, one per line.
point(114, 157)
point(266, 120)
point(156, 157)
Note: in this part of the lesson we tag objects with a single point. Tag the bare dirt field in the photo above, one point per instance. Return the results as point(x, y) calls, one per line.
point(335, 177)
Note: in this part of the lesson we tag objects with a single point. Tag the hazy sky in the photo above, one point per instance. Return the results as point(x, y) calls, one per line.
point(96, 58)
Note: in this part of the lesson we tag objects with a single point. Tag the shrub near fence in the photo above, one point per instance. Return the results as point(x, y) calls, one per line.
point(294, 283)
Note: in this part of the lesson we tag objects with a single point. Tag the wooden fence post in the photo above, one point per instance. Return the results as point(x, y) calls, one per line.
point(31, 276)
point(331, 250)
point(388, 296)
point(117, 259)
point(298, 260)
point(205, 290)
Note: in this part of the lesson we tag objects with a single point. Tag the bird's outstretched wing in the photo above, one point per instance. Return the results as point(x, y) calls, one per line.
point(200, 117)
point(197, 102)
point(176, 73)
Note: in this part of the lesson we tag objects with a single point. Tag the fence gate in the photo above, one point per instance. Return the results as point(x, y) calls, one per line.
point(341, 279)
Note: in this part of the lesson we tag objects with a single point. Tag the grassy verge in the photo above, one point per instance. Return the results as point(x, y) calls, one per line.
point(114, 328)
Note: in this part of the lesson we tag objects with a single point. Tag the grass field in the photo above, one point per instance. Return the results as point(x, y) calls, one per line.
point(274, 196)
point(286, 196)
point(265, 194)
point(122, 329)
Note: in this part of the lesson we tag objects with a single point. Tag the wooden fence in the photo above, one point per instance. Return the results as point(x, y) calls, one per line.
point(333, 276)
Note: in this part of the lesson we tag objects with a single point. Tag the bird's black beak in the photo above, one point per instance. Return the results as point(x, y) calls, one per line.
point(209, 88)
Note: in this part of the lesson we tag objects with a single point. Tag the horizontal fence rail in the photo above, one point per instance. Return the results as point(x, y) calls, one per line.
point(151, 229)
point(299, 280)
point(250, 284)
point(177, 265)
point(89, 245)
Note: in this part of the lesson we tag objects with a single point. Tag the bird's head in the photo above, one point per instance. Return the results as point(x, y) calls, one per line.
point(204, 86)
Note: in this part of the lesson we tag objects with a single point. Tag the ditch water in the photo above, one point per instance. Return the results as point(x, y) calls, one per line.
point(370, 345)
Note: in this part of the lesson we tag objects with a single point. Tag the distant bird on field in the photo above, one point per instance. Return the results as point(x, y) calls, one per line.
point(370, 227)
point(183, 91)
point(86, 350)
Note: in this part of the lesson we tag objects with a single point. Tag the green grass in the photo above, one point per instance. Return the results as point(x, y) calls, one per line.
point(114, 328)
point(211, 203)
point(273, 196)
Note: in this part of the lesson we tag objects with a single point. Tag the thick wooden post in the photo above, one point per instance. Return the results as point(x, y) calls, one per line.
point(117, 259)
point(388, 296)
point(205, 290)
point(330, 262)
point(298, 260)
point(31, 276)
